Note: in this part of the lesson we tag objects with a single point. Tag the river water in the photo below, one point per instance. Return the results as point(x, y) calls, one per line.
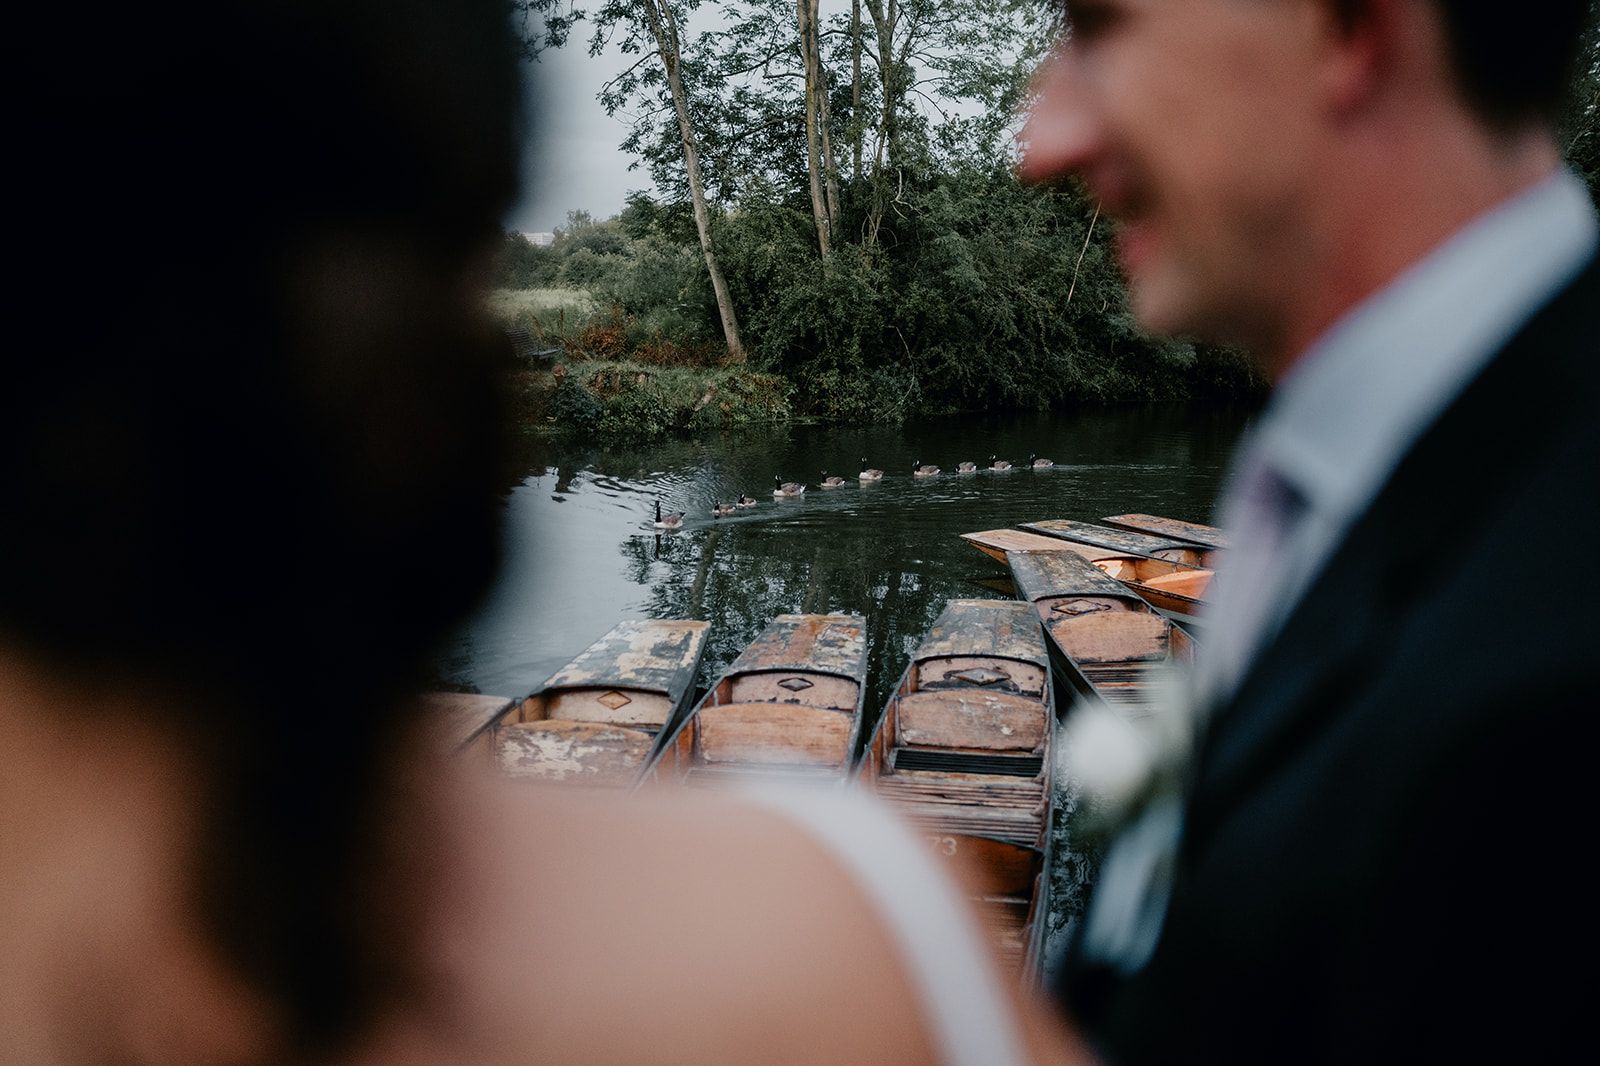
point(581, 553)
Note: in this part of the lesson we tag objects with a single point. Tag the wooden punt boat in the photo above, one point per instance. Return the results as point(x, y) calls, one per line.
point(1105, 639)
point(467, 720)
point(963, 749)
point(1124, 541)
point(789, 705)
point(1172, 528)
point(1172, 587)
point(599, 719)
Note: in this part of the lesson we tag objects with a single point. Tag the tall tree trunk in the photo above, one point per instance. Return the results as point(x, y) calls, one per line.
point(857, 125)
point(830, 168)
point(883, 23)
point(664, 26)
point(806, 18)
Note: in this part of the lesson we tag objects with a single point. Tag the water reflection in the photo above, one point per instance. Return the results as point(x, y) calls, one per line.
point(582, 553)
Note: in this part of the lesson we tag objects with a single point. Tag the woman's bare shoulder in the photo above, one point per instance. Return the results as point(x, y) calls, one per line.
point(665, 927)
point(671, 927)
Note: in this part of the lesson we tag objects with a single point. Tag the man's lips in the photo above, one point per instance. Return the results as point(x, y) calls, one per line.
point(1119, 194)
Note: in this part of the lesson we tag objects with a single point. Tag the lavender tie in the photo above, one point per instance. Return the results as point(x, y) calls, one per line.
point(1125, 918)
point(1262, 517)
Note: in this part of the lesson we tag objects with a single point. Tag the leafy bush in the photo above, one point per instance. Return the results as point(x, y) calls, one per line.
point(525, 265)
point(641, 401)
point(575, 408)
point(587, 269)
point(979, 293)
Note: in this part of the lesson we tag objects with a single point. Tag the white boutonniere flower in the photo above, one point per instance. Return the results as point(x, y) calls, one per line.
point(1118, 763)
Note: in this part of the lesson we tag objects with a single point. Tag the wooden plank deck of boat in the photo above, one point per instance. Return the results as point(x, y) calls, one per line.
point(963, 750)
point(466, 719)
point(1170, 586)
point(1106, 639)
point(660, 655)
point(599, 719)
point(1174, 528)
point(790, 706)
point(1122, 540)
point(998, 543)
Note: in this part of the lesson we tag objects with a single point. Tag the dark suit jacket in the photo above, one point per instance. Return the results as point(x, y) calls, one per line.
point(1390, 828)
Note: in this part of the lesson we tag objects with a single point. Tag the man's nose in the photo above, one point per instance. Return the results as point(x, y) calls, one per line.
point(1061, 135)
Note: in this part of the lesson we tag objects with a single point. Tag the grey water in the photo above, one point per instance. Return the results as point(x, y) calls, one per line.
point(581, 553)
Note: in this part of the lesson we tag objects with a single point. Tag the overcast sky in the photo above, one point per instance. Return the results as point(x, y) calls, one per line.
point(573, 162)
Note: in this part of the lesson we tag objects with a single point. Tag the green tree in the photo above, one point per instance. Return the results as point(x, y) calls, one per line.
point(925, 276)
point(1581, 124)
point(649, 29)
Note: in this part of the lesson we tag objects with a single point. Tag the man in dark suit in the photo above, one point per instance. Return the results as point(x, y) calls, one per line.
point(1376, 851)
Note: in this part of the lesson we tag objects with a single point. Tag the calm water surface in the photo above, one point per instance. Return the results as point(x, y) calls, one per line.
point(581, 553)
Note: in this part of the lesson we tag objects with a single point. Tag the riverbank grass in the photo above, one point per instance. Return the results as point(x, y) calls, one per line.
point(620, 380)
point(635, 399)
point(507, 304)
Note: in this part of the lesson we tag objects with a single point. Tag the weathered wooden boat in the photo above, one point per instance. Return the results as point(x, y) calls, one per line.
point(789, 705)
point(1170, 586)
point(1173, 528)
point(1125, 541)
point(1104, 638)
point(599, 719)
point(963, 749)
point(466, 720)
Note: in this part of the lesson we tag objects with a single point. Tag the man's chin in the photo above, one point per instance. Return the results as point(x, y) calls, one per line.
point(1159, 308)
point(1164, 306)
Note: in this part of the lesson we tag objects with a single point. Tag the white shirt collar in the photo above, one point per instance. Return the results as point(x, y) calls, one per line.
point(1364, 393)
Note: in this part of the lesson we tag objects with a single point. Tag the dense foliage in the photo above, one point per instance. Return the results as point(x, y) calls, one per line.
point(1581, 124)
point(978, 302)
point(897, 265)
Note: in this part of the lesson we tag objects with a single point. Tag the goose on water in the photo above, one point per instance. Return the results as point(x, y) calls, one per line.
point(668, 521)
point(966, 468)
point(831, 481)
point(869, 473)
point(781, 487)
point(999, 464)
point(721, 510)
point(920, 470)
point(1040, 464)
point(747, 501)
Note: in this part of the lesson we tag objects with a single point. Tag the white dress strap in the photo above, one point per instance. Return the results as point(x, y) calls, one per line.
point(971, 1021)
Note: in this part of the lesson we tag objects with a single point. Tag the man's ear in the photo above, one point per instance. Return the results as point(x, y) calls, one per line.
point(1363, 40)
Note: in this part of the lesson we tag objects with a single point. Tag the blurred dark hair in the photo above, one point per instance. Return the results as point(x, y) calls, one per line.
point(249, 440)
point(1513, 65)
point(1516, 64)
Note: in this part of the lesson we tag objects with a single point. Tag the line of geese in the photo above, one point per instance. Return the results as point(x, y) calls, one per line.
point(782, 489)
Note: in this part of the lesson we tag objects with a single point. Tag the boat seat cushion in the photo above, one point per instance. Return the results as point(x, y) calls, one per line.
point(773, 733)
point(584, 751)
point(970, 719)
point(1112, 636)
